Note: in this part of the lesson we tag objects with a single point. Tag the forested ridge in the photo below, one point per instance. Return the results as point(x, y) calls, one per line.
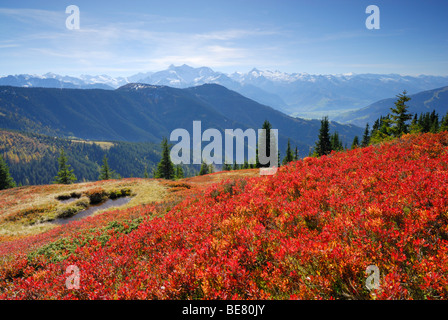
point(33, 158)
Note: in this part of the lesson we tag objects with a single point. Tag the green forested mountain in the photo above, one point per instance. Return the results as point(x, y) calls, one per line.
point(422, 102)
point(138, 112)
point(32, 158)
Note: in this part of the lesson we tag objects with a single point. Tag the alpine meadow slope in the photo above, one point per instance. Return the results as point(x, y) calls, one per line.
point(308, 232)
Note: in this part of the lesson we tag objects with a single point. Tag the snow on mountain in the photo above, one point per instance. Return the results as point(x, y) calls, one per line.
point(299, 94)
point(105, 79)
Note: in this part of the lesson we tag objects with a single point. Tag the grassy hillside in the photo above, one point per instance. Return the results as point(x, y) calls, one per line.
point(310, 231)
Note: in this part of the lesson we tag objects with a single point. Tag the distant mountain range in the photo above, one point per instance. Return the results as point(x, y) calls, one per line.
point(422, 102)
point(142, 112)
point(297, 94)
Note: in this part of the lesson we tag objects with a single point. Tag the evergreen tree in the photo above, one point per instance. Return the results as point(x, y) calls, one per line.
point(65, 174)
point(434, 120)
point(296, 154)
point(266, 142)
point(444, 124)
point(400, 115)
point(377, 124)
point(289, 155)
point(105, 172)
point(323, 144)
point(383, 132)
point(226, 167)
point(204, 168)
point(257, 162)
point(336, 142)
point(236, 166)
point(415, 126)
point(366, 137)
point(165, 168)
point(355, 143)
point(6, 181)
point(179, 172)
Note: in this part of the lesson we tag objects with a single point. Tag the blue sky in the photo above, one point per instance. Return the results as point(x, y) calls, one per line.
point(122, 38)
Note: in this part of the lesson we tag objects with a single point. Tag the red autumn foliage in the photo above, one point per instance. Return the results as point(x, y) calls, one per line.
point(308, 232)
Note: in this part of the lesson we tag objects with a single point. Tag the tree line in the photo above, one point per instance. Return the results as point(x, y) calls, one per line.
point(393, 125)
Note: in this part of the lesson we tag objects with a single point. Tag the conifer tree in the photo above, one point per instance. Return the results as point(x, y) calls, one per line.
point(383, 131)
point(65, 174)
point(289, 155)
point(366, 137)
point(6, 181)
point(434, 120)
point(400, 115)
point(444, 124)
point(415, 126)
point(257, 162)
point(336, 142)
point(204, 168)
point(323, 144)
point(105, 172)
point(179, 172)
point(355, 143)
point(226, 167)
point(165, 168)
point(266, 142)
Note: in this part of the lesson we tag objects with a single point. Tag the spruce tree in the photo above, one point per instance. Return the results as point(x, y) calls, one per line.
point(105, 172)
point(179, 172)
point(65, 174)
point(415, 126)
point(400, 115)
point(434, 119)
point(444, 124)
point(289, 155)
point(336, 142)
point(226, 167)
point(6, 181)
point(366, 137)
point(355, 143)
point(266, 143)
point(204, 168)
point(296, 154)
point(383, 132)
point(165, 168)
point(257, 162)
point(323, 144)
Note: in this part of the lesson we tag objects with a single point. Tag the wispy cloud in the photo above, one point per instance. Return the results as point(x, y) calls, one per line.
point(33, 16)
